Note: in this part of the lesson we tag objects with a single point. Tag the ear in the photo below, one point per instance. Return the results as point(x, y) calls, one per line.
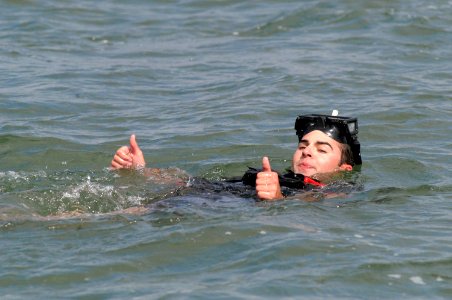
point(345, 167)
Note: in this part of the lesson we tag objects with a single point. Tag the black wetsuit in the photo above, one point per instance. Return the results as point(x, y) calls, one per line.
point(244, 186)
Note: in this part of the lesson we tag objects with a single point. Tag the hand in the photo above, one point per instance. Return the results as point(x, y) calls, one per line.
point(129, 157)
point(267, 182)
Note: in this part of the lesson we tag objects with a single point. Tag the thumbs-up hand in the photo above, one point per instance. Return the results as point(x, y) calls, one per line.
point(267, 182)
point(129, 157)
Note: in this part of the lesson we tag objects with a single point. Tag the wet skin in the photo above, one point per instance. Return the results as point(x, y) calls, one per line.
point(316, 153)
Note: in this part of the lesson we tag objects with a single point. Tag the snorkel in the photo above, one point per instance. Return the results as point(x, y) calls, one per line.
point(342, 129)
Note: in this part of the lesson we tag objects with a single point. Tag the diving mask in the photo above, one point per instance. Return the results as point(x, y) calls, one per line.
point(342, 129)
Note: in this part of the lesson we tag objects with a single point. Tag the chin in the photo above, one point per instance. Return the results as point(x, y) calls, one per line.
point(305, 172)
point(309, 174)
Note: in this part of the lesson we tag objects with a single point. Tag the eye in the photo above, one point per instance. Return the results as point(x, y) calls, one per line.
point(322, 150)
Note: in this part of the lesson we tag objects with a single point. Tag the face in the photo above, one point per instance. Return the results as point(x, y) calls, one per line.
point(317, 153)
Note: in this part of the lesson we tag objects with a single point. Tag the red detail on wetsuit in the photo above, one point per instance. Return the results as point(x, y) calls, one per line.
point(311, 181)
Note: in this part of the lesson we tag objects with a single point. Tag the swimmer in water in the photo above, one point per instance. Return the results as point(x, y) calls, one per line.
point(327, 145)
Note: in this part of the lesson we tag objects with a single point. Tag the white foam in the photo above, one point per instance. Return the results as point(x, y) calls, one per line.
point(417, 280)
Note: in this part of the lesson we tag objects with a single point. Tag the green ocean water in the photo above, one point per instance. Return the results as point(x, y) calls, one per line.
point(210, 87)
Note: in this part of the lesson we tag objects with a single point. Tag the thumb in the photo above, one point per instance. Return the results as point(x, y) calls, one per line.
point(266, 165)
point(133, 144)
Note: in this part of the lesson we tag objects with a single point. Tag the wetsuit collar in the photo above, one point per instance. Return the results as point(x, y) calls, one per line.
point(309, 180)
point(306, 180)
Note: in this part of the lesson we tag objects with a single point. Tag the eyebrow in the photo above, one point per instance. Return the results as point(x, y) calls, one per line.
point(318, 143)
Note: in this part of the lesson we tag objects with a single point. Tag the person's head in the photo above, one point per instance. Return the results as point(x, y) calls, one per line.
point(326, 144)
point(318, 153)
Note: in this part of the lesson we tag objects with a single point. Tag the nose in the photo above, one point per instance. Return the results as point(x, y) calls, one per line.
point(307, 151)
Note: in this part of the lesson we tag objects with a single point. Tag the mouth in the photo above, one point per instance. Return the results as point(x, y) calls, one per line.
point(305, 166)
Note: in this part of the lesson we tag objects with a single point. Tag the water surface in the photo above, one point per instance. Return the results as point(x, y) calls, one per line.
point(210, 87)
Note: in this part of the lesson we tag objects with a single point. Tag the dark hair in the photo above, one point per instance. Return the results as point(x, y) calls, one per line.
point(346, 155)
